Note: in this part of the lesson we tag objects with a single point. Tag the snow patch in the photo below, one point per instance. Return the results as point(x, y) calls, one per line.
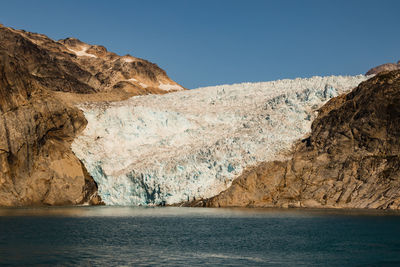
point(191, 144)
point(143, 85)
point(82, 52)
point(128, 59)
point(170, 87)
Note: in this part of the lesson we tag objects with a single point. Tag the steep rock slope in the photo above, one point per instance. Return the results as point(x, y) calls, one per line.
point(350, 160)
point(150, 150)
point(39, 79)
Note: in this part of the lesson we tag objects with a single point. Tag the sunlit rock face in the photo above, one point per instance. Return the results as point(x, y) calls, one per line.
point(156, 149)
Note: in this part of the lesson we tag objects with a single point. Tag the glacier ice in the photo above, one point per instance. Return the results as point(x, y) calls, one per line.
point(191, 144)
point(170, 87)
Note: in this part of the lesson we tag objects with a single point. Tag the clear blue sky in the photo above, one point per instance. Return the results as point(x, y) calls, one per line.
point(202, 43)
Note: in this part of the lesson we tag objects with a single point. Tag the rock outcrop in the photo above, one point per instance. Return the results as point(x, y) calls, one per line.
point(40, 79)
point(384, 67)
point(350, 160)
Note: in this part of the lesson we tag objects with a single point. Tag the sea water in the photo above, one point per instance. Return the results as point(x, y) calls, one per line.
point(125, 236)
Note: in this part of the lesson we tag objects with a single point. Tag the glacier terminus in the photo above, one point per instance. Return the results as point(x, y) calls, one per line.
point(192, 144)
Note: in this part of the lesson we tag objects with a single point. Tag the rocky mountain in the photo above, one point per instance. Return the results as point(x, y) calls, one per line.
point(40, 80)
point(351, 159)
point(384, 67)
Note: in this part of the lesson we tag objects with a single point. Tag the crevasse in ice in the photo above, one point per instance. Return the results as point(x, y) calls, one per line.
point(192, 144)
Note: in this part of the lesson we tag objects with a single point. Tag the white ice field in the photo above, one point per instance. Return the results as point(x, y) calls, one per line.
point(191, 144)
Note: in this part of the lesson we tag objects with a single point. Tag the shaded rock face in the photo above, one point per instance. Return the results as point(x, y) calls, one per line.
point(39, 80)
point(384, 67)
point(350, 160)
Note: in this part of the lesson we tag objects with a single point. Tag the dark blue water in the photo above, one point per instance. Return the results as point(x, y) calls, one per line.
point(110, 236)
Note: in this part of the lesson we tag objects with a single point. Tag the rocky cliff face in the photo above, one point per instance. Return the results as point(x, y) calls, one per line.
point(39, 80)
point(350, 160)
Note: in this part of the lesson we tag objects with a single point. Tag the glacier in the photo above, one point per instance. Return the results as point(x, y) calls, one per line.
point(167, 149)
